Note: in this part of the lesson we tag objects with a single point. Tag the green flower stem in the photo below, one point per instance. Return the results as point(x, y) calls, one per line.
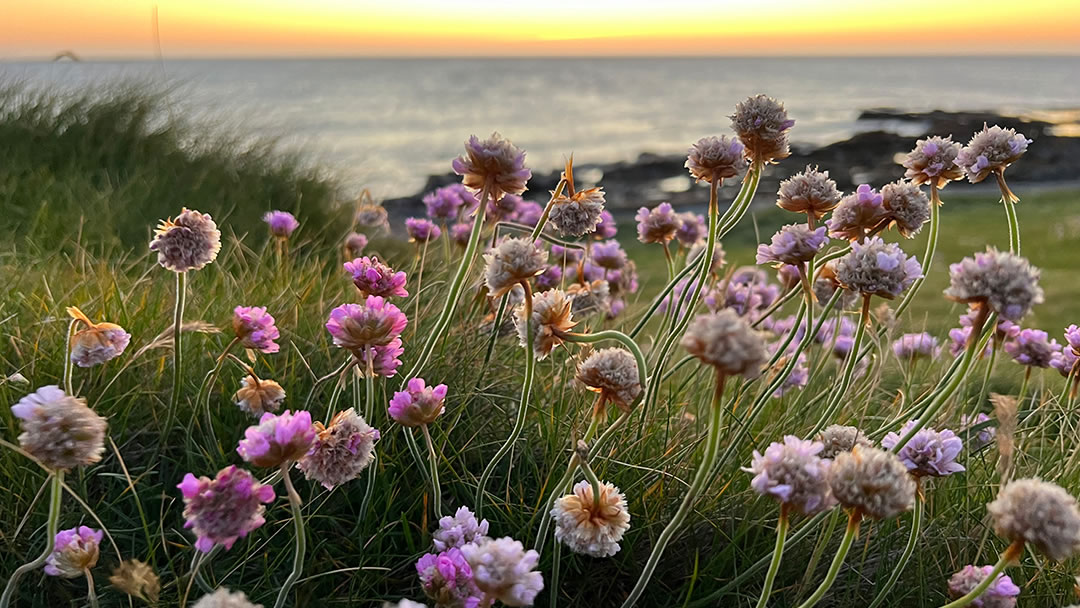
point(351, 361)
point(838, 560)
point(196, 564)
point(778, 552)
point(1009, 200)
point(1010, 554)
point(56, 493)
point(700, 481)
point(335, 395)
point(539, 228)
point(523, 406)
point(436, 491)
point(560, 486)
point(301, 540)
point(369, 414)
point(554, 591)
point(986, 377)
point(913, 538)
point(849, 369)
point(91, 595)
point(178, 356)
point(494, 337)
point(69, 365)
point(208, 387)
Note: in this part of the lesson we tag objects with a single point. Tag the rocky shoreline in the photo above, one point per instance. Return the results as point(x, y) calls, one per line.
point(867, 157)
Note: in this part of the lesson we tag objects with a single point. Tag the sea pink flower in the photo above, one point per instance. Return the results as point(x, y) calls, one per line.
point(223, 509)
point(460, 233)
point(356, 327)
point(495, 164)
point(858, 214)
point(715, 159)
point(282, 223)
point(422, 230)
point(373, 278)
point(933, 161)
point(384, 359)
point(762, 124)
point(793, 244)
point(911, 346)
point(657, 225)
point(277, 439)
point(449, 202)
point(354, 244)
point(793, 473)
point(255, 328)
point(607, 228)
point(342, 450)
point(419, 404)
point(447, 579)
point(96, 343)
point(929, 452)
point(74, 552)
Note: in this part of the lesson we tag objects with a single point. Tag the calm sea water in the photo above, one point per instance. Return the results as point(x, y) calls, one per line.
point(388, 123)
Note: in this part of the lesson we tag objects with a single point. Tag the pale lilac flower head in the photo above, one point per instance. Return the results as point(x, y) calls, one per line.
point(715, 159)
point(606, 228)
point(493, 163)
point(991, 150)
point(223, 598)
point(1072, 337)
point(460, 233)
point(281, 223)
point(958, 341)
point(189, 242)
point(691, 230)
point(590, 297)
point(448, 202)
point(984, 436)
point(838, 439)
point(609, 255)
point(908, 207)
point(612, 372)
point(1007, 283)
point(74, 552)
point(59, 430)
point(96, 343)
point(355, 242)
point(1000, 594)
point(527, 213)
point(1032, 347)
point(792, 244)
point(342, 450)
point(459, 530)
point(933, 161)
point(809, 192)
point(877, 268)
point(929, 452)
point(793, 473)
point(373, 278)
point(504, 570)
point(857, 214)
point(225, 508)
point(511, 262)
point(277, 439)
point(657, 225)
point(727, 342)
point(1064, 361)
point(578, 214)
point(255, 328)
point(419, 404)
point(909, 347)
point(356, 327)
point(762, 124)
point(421, 230)
point(551, 278)
point(447, 580)
point(1038, 513)
point(873, 481)
point(1005, 330)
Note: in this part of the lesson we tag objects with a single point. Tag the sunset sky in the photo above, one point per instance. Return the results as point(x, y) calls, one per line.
point(253, 28)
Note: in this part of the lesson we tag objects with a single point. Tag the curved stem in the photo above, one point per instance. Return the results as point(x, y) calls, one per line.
point(778, 552)
point(436, 491)
point(838, 560)
point(91, 594)
point(1009, 200)
point(337, 372)
point(301, 541)
point(369, 413)
point(208, 387)
point(196, 563)
point(51, 527)
point(69, 365)
point(178, 355)
point(913, 538)
point(1011, 553)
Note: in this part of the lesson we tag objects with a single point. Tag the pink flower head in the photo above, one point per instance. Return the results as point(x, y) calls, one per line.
point(503, 209)
point(418, 404)
point(958, 339)
point(458, 530)
point(912, 346)
point(991, 150)
point(793, 473)
point(449, 202)
point(494, 164)
point(1063, 361)
point(223, 509)
point(858, 214)
point(255, 328)
point(607, 228)
point(96, 343)
point(460, 233)
point(447, 579)
point(527, 213)
point(1000, 594)
point(74, 552)
point(933, 161)
point(929, 452)
point(715, 159)
point(282, 223)
point(384, 359)
point(356, 327)
point(1072, 336)
point(277, 439)
point(549, 279)
point(657, 225)
point(1032, 347)
point(355, 243)
point(422, 230)
point(373, 278)
point(793, 244)
point(691, 229)
point(609, 255)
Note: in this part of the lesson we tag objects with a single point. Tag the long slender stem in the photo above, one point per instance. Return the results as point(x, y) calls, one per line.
point(301, 540)
point(1009, 200)
point(1010, 554)
point(913, 538)
point(208, 388)
point(838, 560)
point(69, 365)
point(560, 486)
point(436, 491)
point(56, 493)
point(778, 552)
point(91, 594)
point(178, 355)
point(369, 413)
point(849, 370)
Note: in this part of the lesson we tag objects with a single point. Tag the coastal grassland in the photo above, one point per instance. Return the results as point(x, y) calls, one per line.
point(359, 558)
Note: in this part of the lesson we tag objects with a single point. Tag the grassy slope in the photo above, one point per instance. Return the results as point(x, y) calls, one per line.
point(729, 530)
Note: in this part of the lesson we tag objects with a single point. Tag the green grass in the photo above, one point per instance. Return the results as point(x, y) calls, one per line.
point(47, 265)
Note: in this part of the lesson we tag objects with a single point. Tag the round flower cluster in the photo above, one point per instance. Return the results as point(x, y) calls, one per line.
point(715, 159)
point(59, 430)
point(447, 579)
point(75, 551)
point(991, 150)
point(858, 214)
point(907, 206)
point(1007, 283)
point(358, 327)
point(255, 328)
point(929, 453)
point(493, 164)
point(612, 372)
point(657, 225)
point(793, 244)
point(872, 481)
point(505, 571)
point(1000, 594)
point(223, 509)
point(96, 343)
point(608, 255)
point(691, 230)
point(837, 439)
point(512, 261)
point(591, 527)
point(877, 268)
point(459, 530)
point(342, 450)
point(281, 223)
point(933, 161)
point(909, 347)
point(189, 242)
point(727, 342)
point(607, 228)
point(762, 124)
point(373, 278)
point(421, 230)
point(419, 404)
point(810, 192)
point(793, 473)
point(277, 439)
point(1040, 513)
point(578, 213)
point(551, 318)
point(223, 598)
point(354, 244)
point(448, 202)
point(1032, 347)
point(258, 396)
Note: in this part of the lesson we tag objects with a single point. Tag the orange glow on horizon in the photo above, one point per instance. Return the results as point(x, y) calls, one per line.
point(253, 28)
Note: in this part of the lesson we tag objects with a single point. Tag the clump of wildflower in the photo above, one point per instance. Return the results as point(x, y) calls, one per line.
point(136, 579)
point(551, 278)
point(189, 242)
point(223, 509)
point(691, 230)
point(727, 342)
point(657, 225)
point(991, 150)
point(512, 261)
point(374, 278)
point(1040, 513)
point(1032, 347)
point(505, 571)
point(609, 255)
point(96, 343)
point(59, 430)
point(929, 452)
point(459, 530)
point(578, 213)
point(1007, 283)
point(419, 404)
point(528, 213)
point(372, 215)
point(793, 473)
point(811, 192)
point(984, 437)
point(354, 244)
point(223, 598)
point(494, 164)
point(858, 214)
point(277, 439)
point(1000, 594)
point(715, 159)
point(504, 208)
point(357, 327)
point(933, 161)
point(606, 228)
point(877, 268)
point(872, 481)
point(384, 358)
point(258, 396)
point(421, 230)
point(907, 206)
point(342, 450)
point(255, 328)
point(909, 347)
point(612, 372)
point(74, 552)
point(762, 123)
point(447, 579)
point(460, 234)
point(281, 223)
point(591, 527)
point(448, 202)
point(793, 244)
point(551, 318)
point(837, 439)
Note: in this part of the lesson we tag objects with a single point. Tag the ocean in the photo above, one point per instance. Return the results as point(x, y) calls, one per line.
point(386, 124)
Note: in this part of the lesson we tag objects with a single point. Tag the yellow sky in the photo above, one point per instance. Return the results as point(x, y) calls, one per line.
point(122, 28)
